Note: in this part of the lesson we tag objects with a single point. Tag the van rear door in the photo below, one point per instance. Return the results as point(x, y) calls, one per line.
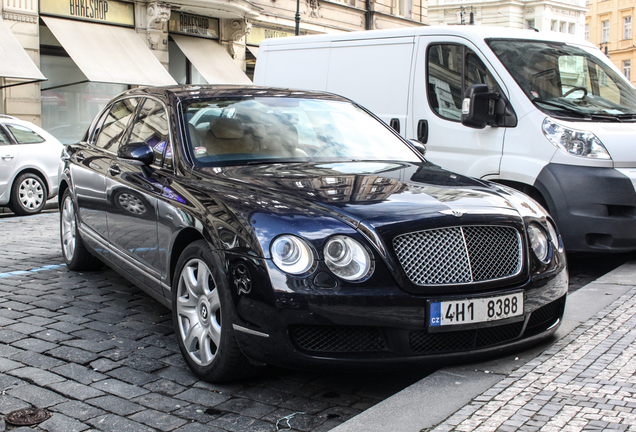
point(445, 67)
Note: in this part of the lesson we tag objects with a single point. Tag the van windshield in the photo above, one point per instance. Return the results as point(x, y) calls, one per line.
point(567, 81)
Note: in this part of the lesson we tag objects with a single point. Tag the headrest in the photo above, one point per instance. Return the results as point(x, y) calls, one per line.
point(224, 127)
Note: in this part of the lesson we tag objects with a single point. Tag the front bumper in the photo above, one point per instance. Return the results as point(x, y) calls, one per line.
point(307, 330)
point(594, 208)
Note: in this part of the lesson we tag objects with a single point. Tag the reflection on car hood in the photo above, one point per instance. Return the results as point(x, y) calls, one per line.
point(380, 192)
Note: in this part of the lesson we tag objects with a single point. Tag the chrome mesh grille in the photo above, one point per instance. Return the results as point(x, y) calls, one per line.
point(459, 254)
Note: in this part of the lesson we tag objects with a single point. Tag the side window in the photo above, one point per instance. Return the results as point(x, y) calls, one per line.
point(151, 127)
point(4, 138)
point(24, 135)
point(115, 124)
point(452, 69)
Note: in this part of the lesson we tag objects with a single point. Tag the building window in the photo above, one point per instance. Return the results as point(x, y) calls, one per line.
point(605, 31)
point(627, 27)
point(402, 8)
point(555, 26)
point(627, 69)
point(572, 28)
point(564, 27)
point(586, 35)
point(530, 24)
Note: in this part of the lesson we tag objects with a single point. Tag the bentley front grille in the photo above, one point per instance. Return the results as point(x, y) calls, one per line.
point(460, 255)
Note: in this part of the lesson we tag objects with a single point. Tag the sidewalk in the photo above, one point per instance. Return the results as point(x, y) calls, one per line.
point(585, 380)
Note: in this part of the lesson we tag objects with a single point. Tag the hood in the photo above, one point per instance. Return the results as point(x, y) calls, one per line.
point(618, 139)
point(376, 192)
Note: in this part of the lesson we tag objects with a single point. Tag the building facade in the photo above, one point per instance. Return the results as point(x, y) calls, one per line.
point(77, 54)
point(608, 25)
point(563, 16)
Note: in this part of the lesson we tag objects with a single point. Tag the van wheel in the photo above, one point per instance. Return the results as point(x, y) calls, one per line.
point(201, 313)
point(28, 195)
point(75, 254)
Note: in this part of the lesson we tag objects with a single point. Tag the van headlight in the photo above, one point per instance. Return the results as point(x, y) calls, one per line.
point(292, 254)
point(347, 259)
point(574, 142)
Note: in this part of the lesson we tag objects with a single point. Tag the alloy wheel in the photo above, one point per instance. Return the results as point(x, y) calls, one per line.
point(68, 228)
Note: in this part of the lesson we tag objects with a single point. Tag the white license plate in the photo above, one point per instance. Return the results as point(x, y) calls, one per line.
point(475, 310)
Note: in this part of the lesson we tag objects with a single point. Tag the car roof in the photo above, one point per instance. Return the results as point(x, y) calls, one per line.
point(190, 91)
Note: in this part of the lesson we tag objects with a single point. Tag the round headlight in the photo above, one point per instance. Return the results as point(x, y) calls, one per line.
point(347, 259)
point(292, 254)
point(538, 242)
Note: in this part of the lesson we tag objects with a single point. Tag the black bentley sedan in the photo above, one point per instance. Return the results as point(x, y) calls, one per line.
point(294, 228)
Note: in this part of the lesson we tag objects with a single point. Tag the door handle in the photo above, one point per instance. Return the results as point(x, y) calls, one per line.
point(422, 131)
point(7, 157)
point(114, 170)
point(395, 124)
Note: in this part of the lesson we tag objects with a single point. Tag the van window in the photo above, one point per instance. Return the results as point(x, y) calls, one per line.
point(452, 69)
point(566, 80)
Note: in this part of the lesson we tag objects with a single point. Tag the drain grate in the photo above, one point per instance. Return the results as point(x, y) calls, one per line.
point(27, 416)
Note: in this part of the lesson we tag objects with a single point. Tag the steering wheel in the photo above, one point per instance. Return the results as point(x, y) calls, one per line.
point(573, 89)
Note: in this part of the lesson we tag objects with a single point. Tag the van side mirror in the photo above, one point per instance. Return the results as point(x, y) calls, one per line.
point(419, 146)
point(482, 108)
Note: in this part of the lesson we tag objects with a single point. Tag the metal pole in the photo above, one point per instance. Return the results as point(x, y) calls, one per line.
point(297, 17)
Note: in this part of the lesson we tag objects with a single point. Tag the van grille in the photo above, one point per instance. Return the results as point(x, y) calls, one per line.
point(459, 255)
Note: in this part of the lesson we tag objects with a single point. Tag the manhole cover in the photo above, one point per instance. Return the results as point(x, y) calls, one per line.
point(27, 416)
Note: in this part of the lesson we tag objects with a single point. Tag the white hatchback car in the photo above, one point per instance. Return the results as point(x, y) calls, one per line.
point(29, 159)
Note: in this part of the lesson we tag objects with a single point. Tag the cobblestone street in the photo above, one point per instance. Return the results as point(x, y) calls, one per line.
point(99, 354)
point(584, 382)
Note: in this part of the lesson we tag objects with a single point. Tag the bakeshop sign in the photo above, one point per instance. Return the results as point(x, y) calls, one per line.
point(108, 11)
point(194, 25)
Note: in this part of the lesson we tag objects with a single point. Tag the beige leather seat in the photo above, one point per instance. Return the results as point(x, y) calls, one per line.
point(282, 141)
point(226, 135)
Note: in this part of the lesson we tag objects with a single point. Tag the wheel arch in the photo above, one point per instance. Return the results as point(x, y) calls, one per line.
point(529, 190)
point(183, 239)
point(36, 172)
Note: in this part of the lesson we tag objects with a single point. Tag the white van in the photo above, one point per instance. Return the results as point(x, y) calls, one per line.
point(546, 114)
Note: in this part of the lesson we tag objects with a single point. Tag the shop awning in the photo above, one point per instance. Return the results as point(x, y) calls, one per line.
point(211, 60)
point(253, 50)
point(15, 63)
point(109, 54)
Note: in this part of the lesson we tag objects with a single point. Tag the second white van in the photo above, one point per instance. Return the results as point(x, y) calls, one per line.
point(546, 114)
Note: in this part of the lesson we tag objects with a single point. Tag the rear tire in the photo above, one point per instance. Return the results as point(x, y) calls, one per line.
point(75, 254)
point(28, 195)
point(201, 313)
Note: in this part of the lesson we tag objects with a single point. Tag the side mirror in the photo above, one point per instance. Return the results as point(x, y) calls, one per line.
point(418, 146)
point(137, 152)
point(482, 108)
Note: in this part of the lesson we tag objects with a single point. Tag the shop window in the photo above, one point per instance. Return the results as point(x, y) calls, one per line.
point(115, 123)
point(151, 127)
point(627, 27)
point(452, 69)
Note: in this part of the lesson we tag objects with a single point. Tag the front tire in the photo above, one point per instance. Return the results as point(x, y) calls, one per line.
point(75, 254)
point(201, 313)
point(28, 195)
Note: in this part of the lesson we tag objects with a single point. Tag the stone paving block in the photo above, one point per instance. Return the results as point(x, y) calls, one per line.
point(10, 403)
point(202, 397)
point(75, 390)
point(36, 376)
point(197, 427)
point(36, 396)
point(113, 423)
point(142, 363)
point(158, 420)
point(78, 410)
point(76, 372)
point(36, 360)
point(161, 386)
point(33, 344)
point(115, 405)
point(52, 335)
point(7, 365)
point(9, 336)
point(73, 355)
point(310, 406)
point(132, 376)
point(61, 423)
point(246, 407)
point(119, 388)
point(292, 420)
point(179, 375)
point(104, 365)
point(24, 328)
point(264, 395)
point(237, 423)
point(160, 402)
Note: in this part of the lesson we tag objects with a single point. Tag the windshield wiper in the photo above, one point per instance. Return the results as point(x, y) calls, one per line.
point(563, 106)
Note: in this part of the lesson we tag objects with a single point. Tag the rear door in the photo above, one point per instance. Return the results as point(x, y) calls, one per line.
point(9, 153)
point(445, 67)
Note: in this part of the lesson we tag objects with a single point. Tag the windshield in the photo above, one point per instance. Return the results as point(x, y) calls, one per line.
point(567, 81)
point(276, 129)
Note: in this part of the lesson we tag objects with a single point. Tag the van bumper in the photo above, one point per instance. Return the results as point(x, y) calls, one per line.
point(594, 208)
